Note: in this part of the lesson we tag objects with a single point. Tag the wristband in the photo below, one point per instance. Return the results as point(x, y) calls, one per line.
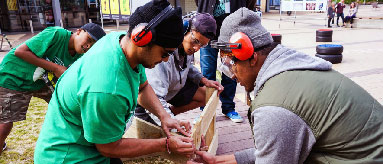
point(167, 145)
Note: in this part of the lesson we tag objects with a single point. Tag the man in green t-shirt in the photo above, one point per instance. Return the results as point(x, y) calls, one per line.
point(94, 100)
point(21, 71)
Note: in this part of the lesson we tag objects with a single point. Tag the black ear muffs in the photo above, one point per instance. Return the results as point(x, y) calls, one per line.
point(144, 33)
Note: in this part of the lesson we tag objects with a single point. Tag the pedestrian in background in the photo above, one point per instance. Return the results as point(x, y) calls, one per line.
point(339, 12)
point(351, 14)
point(330, 14)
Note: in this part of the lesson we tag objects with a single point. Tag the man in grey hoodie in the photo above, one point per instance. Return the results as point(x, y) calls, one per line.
point(303, 111)
point(178, 82)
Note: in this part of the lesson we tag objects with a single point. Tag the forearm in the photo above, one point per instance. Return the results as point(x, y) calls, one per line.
point(129, 147)
point(24, 53)
point(149, 100)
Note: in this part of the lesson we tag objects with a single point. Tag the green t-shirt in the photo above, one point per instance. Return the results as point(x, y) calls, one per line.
point(51, 44)
point(93, 101)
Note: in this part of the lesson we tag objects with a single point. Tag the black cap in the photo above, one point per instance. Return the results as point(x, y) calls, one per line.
point(169, 32)
point(94, 30)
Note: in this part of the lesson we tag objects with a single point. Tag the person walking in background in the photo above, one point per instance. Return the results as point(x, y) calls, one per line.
point(208, 56)
point(330, 14)
point(339, 12)
point(351, 14)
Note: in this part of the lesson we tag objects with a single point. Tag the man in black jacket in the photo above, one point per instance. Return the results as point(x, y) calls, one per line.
point(208, 56)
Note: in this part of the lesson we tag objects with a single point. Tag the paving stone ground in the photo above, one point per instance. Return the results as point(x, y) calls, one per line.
point(362, 62)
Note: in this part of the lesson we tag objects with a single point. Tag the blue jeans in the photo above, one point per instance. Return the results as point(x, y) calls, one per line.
point(208, 60)
point(341, 15)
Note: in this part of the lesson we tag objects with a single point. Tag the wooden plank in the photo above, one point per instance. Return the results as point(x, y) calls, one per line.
point(203, 123)
point(210, 133)
point(213, 147)
point(209, 92)
point(143, 130)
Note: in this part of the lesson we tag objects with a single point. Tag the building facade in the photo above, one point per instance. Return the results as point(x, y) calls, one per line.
point(17, 15)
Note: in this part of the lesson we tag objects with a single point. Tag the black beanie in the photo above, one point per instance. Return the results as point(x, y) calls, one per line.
point(169, 32)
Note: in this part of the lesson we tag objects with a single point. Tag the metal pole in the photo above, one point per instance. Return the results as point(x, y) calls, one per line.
point(118, 24)
point(102, 18)
point(280, 13)
point(1, 45)
point(56, 12)
point(30, 24)
point(325, 12)
point(61, 23)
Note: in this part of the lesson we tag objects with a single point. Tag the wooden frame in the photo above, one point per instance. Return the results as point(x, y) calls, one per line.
point(205, 126)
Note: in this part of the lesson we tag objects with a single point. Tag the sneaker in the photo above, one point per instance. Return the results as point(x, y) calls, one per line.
point(4, 146)
point(234, 116)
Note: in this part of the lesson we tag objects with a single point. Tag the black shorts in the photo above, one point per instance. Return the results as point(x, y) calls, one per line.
point(185, 95)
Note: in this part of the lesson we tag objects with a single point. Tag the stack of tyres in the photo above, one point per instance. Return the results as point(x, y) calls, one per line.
point(324, 35)
point(330, 52)
point(277, 38)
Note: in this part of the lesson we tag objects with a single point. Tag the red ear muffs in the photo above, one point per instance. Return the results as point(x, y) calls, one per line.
point(140, 37)
point(246, 50)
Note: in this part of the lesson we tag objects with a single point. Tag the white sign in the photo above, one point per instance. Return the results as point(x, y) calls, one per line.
point(137, 3)
point(304, 5)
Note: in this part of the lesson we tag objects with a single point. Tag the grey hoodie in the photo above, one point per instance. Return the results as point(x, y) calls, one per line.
point(168, 78)
point(275, 144)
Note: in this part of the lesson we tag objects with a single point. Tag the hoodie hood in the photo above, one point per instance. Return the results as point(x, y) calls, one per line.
point(283, 59)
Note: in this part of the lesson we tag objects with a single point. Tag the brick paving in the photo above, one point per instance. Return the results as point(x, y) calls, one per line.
point(362, 62)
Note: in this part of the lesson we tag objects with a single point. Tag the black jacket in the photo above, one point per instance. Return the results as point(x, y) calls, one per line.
point(207, 6)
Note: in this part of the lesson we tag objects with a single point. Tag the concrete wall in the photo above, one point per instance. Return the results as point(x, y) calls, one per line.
point(186, 5)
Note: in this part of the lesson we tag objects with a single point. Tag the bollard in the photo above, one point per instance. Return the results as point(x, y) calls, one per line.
point(90, 20)
point(118, 24)
point(30, 24)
